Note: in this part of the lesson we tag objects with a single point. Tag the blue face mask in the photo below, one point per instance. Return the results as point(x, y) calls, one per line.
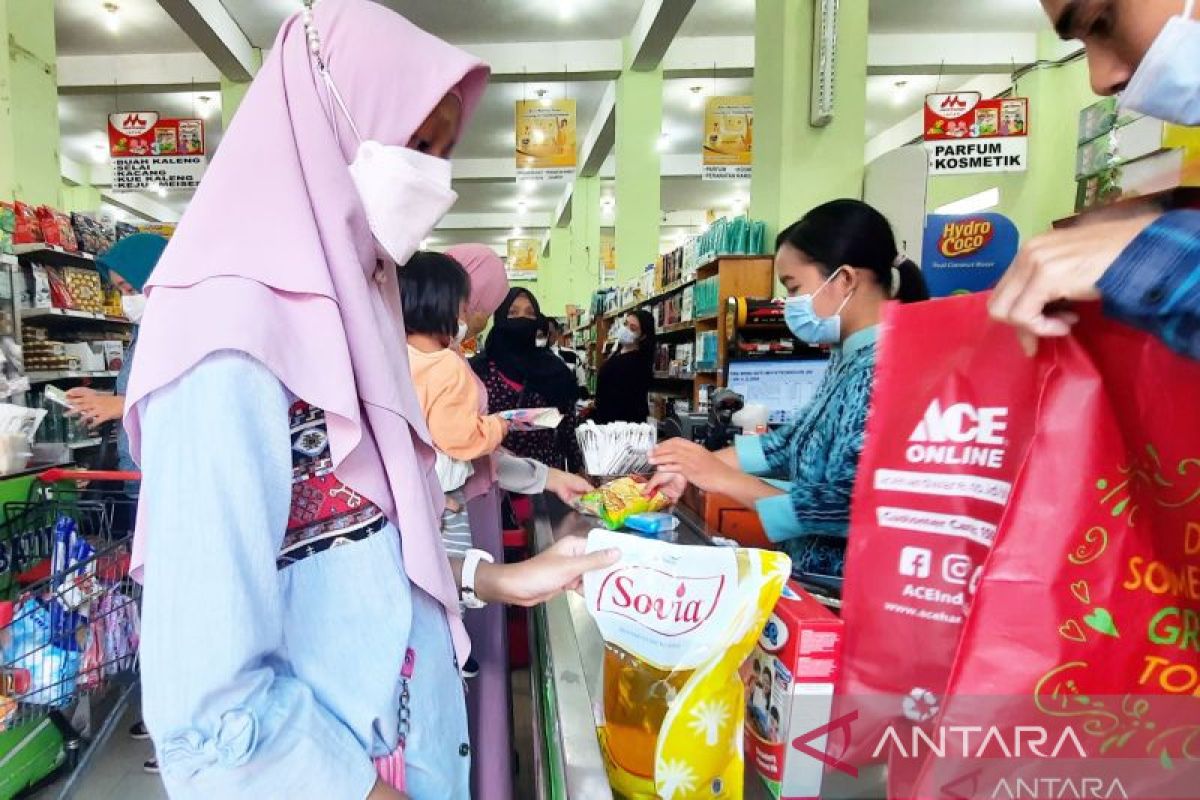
point(803, 321)
point(1166, 84)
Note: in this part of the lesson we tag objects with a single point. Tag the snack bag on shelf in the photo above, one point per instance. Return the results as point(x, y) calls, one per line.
point(26, 229)
point(8, 221)
point(678, 621)
point(66, 233)
point(616, 501)
point(51, 235)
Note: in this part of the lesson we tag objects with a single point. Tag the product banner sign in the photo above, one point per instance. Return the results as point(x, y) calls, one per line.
point(522, 263)
point(546, 140)
point(966, 253)
point(151, 152)
point(965, 134)
point(608, 258)
point(728, 138)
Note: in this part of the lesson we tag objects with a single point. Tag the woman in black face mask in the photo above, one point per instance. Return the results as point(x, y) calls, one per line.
point(519, 374)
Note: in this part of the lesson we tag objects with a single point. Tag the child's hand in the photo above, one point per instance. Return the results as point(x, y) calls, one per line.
point(452, 505)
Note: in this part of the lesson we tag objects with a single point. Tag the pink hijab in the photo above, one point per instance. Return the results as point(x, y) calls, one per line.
point(274, 259)
point(489, 281)
point(489, 287)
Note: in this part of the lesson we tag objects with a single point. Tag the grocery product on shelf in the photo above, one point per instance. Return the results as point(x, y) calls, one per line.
point(678, 622)
point(26, 229)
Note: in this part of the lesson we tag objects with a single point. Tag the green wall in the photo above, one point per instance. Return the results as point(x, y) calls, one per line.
point(29, 164)
point(1034, 199)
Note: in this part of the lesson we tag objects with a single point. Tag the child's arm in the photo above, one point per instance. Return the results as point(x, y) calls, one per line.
point(457, 427)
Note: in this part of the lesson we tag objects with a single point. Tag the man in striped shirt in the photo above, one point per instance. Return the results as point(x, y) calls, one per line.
point(1143, 264)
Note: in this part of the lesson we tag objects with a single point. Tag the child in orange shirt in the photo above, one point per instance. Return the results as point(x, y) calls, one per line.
point(434, 289)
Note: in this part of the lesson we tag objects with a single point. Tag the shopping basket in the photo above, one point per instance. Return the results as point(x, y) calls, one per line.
point(69, 625)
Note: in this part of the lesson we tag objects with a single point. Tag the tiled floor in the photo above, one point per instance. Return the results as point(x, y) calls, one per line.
point(117, 773)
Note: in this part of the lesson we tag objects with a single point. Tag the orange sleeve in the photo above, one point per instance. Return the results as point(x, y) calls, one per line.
point(451, 406)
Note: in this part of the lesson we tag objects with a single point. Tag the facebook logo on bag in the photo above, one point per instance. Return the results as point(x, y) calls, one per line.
point(916, 562)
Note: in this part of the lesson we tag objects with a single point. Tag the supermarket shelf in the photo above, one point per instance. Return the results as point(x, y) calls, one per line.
point(53, 256)
point(687, 326)
point(667, 290)
point(84, 444)
point(63, 374)
point(60, 314)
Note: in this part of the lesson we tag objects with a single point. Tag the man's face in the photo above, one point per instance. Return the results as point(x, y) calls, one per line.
point(1116, 33)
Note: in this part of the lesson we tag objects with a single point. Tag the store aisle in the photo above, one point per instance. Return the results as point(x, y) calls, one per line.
point(117, 773)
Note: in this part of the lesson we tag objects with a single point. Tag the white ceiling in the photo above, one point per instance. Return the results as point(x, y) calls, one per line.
point(81, 28)
point(145, 28)
point(957, 16)
point(472, 21)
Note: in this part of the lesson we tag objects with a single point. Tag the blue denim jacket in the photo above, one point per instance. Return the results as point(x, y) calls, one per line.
point(260, 682)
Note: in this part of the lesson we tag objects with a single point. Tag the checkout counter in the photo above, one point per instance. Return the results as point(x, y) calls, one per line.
point(567, 681)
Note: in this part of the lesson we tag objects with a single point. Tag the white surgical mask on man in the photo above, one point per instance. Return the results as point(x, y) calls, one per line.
point(404, 193)
point(1166, 84)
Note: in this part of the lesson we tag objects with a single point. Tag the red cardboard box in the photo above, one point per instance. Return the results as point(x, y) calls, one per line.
point(790, 678)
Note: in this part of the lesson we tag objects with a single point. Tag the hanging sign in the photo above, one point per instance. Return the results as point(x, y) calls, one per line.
point(545, 140)
point(967, 253)
point(522, 264)
point(728, 138)
point(150, 152)
point(608, 259)
point(965, 134)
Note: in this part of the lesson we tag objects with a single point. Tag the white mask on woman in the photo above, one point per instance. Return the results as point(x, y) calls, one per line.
point(626, 337)
point(134, 306)
point(404, 193)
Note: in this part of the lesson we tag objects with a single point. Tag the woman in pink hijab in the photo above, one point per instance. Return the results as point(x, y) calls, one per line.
point(300, 625)
point(488, 703)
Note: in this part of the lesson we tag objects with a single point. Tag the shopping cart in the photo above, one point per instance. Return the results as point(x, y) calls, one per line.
point(69, 625)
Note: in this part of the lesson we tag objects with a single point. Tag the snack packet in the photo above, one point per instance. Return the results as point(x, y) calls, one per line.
point(616, 501)
point(678, 621)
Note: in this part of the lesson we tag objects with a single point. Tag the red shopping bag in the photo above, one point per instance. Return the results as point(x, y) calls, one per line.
point(951, 422)
point(1085, 630)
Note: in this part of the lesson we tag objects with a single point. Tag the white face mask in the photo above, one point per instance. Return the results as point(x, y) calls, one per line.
point(1166, 84)
point(461, 336)
point(134, 306)
point(404, 193)
point(626, 337)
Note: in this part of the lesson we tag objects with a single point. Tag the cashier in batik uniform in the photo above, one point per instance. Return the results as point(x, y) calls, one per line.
point(840, 266)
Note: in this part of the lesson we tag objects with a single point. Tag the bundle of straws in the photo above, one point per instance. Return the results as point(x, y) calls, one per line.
point(618, 448)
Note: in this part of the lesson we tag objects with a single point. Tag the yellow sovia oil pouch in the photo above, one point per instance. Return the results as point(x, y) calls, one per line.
point(678, 621)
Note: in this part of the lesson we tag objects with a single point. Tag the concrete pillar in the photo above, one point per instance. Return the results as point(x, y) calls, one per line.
point(639, 169)
point(798, 166)
point(29, 165)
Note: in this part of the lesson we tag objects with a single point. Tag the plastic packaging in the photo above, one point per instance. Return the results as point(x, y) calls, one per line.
point(651, 522)
point(616, 501)
point(678, 622)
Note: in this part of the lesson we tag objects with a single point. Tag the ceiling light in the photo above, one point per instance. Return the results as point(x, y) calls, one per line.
point(566, 10)
point(697, 97)
point(664, 141)
point(528, 185)
point(989, 198)
point(517, 231)
point(521, 207)
point(111, 20)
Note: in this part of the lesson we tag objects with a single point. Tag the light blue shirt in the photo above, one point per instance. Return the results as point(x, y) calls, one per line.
point(818, 456)
point(268, 683)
